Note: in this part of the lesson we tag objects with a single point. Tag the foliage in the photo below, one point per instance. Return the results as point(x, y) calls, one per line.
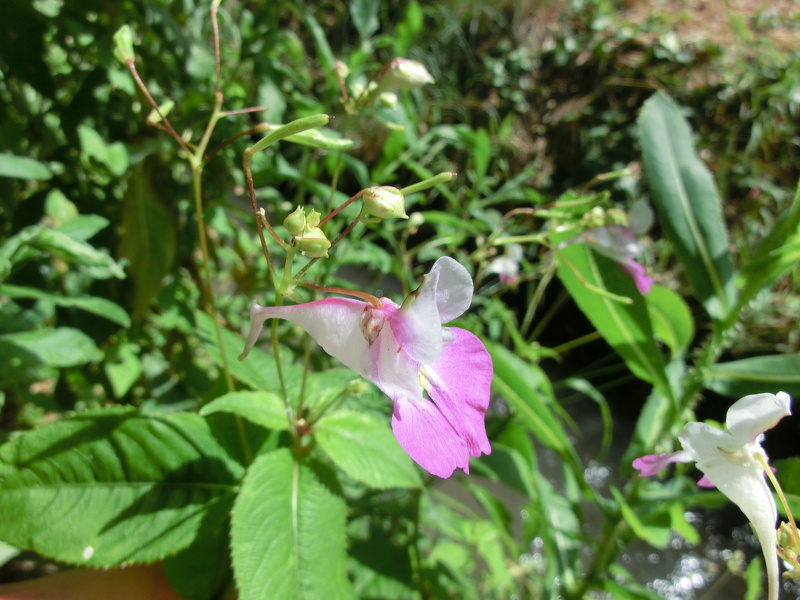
point(131, 247)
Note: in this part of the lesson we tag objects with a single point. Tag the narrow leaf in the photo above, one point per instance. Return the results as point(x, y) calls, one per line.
point(288, 534)
point(110, 487)
point(98, 306)
point(671, 319)
point(366, 450)
point(625, 326)
point(688, 203)
point(759, 374)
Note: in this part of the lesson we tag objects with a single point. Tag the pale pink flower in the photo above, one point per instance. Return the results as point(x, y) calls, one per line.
point(619, 243)
point(407, 353)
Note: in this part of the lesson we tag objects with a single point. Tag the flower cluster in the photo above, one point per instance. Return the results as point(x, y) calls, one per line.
point(437, 377)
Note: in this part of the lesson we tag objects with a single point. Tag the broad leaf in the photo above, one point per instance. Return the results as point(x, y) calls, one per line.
point(288, 534)
point(625, 326)
point(110, 487)
point(364, 14)
point(262, 408)
point(366, 450)
point(22, 167)
point(759, 374)
point(34, 354)
point(688, 204)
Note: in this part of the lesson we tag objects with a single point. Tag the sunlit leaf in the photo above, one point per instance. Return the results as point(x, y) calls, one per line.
point(262, 408)
point(22, 167)
point(759, 374)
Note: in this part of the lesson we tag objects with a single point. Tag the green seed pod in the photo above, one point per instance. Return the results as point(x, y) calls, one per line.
point(385, 202)
point(313, 243)
point(296, 222)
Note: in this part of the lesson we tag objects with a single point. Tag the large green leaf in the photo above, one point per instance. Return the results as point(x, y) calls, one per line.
point(98, 306)
point(671, 319)
point(688, 204)
point(111, 486)
point(527, 390)
point(625, 326)
point(366, 450)
point(288, 534)
point(147, 237)
point(759, 374)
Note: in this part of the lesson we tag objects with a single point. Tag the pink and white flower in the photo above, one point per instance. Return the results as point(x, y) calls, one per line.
point(619, 243)
point(407, 353)
point(730, 462)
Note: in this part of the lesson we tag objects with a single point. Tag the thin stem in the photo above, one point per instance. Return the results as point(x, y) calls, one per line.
point(778, 490)
point(344, 205)
point(347, 230)
point(337, 290)
point(143, 88)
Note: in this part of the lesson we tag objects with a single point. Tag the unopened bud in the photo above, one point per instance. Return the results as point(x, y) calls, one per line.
point(313, 243)
point(313, 218)
point(404, 74)
point(296, 222)
point(163, 110)
point(123, 45)
point(385, 202)
point(357, 387)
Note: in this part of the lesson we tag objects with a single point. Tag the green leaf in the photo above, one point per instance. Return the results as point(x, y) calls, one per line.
point(688, 204)
point(23, 354)
point(113, 156)
point(759, 374)
point(778, 251)
point(366, 450)
point(147, 239)
point(671, 319)
point(787, 471)
point(92, 304)
point(262, 408)
point(527, 390)
point(364, 14)
point(123, 367)
point(258, 370)
point(625, 326)
point(112, 487)
point(507, 466)
point(655, 535)
point(288, 534)
point(22, 167)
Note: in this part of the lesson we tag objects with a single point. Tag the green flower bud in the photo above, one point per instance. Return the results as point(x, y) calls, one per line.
point(312, 220)
point(404, 74)
point(313, 243)
point(123, 45)
point(296, 222)
point(385, 202)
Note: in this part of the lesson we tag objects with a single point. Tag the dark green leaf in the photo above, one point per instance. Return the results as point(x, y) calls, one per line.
point(147, 238)
point(288, 534)
point(112, 487)
point(688, 203)
point(366, 450)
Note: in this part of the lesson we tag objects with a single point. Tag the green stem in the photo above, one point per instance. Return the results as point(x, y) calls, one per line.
point(778, 490)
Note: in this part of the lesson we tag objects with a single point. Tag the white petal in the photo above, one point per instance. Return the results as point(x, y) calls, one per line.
point(453, 288)
point(752, 415)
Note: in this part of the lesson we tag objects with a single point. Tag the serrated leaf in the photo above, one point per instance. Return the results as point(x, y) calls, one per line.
point(147, 237)
point(671, 319)
point(110, 487)
point(688, 203)
point(626, 327)
point(262, 408)
point(22, 167)
point(366, 450)
point(736, 378)
point(288, 534)
point(98, 306)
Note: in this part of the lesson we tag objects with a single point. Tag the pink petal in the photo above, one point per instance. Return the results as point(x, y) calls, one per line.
point(655, 463)
point(705, 482)
point(460, 383)
point(640, 277)
point(427, 436)
point(334, 323)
